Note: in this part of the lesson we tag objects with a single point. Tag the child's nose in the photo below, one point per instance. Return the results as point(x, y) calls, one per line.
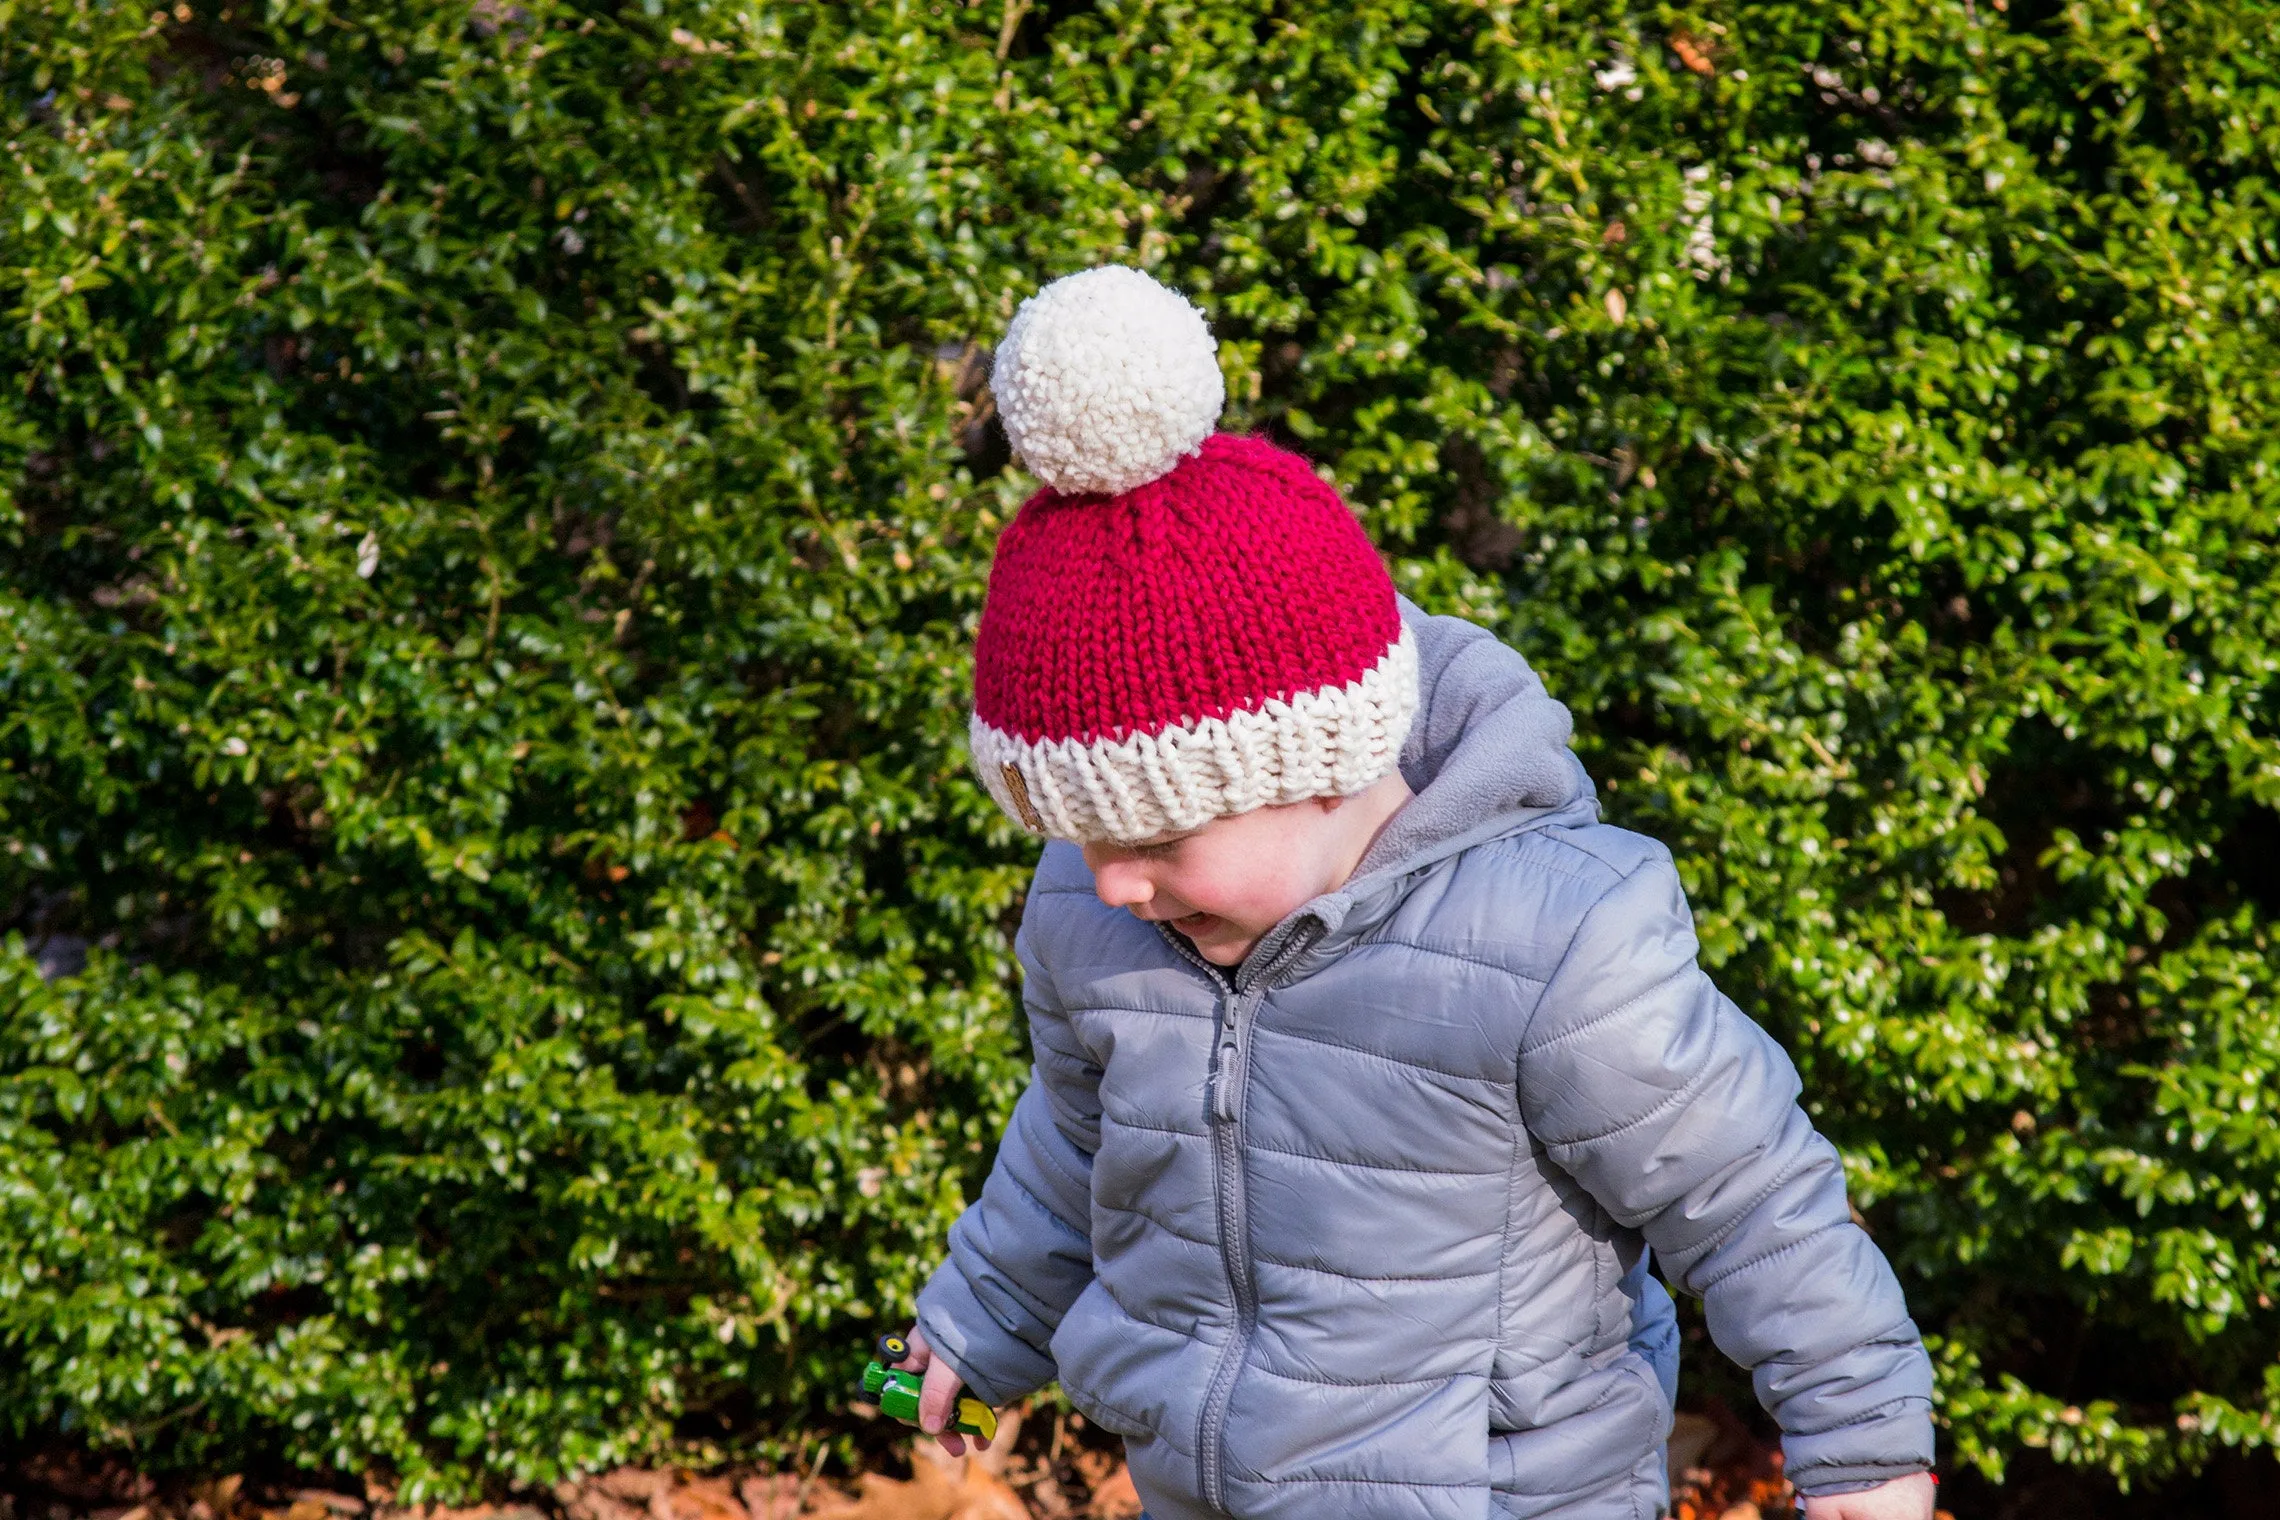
point(1120, 886)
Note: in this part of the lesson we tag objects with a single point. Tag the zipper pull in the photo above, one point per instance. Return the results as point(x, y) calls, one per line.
point(1223, 1083)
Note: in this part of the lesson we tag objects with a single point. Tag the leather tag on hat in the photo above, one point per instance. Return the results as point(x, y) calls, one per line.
point(1015, 784)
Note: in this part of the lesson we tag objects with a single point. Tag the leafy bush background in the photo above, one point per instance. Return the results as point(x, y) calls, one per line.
point(495, 498)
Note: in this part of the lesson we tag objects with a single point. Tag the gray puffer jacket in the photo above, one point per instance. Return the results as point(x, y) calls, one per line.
point(1363, 1228)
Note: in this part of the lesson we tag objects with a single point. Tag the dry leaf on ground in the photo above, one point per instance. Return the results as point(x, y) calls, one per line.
point(775, 1496)
point(940, 1486)
point(951, 1488)
point(1114, 1497)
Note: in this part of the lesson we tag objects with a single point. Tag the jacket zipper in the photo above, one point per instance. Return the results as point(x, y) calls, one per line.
point(1234, 1251)
point(1226, 1062)
point(1238, 1009)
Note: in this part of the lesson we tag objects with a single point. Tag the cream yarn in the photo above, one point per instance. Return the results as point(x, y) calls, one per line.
point(1332, 742)
point(1106, 380)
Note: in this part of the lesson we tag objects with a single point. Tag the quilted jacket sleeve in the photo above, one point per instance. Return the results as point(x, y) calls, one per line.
point(1022, 1252)
point(1679, 1115)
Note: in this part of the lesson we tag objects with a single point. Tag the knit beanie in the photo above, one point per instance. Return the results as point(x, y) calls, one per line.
point(1182, 624)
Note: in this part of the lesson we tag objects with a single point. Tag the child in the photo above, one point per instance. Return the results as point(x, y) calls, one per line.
point(1371, 1066)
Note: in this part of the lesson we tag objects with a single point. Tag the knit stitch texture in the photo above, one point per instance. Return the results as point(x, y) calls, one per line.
point(1222, 638)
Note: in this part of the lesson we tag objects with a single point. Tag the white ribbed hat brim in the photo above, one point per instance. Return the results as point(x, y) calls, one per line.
point(1333, 742)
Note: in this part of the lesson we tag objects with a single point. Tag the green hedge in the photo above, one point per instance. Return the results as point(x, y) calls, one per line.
point(495, 500)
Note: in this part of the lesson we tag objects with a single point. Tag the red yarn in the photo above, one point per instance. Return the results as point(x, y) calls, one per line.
point(1238, 579)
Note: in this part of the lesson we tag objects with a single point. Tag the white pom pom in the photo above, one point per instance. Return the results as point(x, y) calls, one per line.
point(1106, 380)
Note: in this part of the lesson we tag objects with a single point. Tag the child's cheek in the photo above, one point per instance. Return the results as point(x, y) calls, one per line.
point(1255, 900)
point(1222, 893)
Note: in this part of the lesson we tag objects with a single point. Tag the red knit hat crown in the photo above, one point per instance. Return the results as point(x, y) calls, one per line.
point(1182, 624)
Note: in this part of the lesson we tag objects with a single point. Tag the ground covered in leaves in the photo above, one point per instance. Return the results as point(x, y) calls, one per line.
point(1047, 1466)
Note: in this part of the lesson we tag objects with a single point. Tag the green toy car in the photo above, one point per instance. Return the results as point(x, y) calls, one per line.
point(896, 1393)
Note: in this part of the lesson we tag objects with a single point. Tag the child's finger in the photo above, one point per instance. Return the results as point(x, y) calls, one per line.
point(937, 1398)
point(952, 1442)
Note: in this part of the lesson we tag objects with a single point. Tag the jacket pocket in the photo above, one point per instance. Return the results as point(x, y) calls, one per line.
point(1128, 1375)
point(1619, 1419)
point(1635, 1495)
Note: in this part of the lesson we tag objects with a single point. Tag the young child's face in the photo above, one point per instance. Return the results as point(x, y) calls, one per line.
point(1226, 884)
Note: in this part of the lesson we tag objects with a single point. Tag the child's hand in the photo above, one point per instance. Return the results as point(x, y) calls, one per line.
point(1908, 1498)
point(938, 1397)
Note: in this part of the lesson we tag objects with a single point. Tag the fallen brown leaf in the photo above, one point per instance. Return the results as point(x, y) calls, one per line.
point(952, 1489)
point(940, 1487)
point(1720, 1471)
point(1047, 1499)
point(652, 1493)
point(220, 1493)
point(1114, 1497)
point(1093, 1466)
point(704, 1499)
point(774, 1497)
point(589, 1501)
point(637, 1485)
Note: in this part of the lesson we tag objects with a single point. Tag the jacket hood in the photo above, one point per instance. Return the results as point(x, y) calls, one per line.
point(1487, 757)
